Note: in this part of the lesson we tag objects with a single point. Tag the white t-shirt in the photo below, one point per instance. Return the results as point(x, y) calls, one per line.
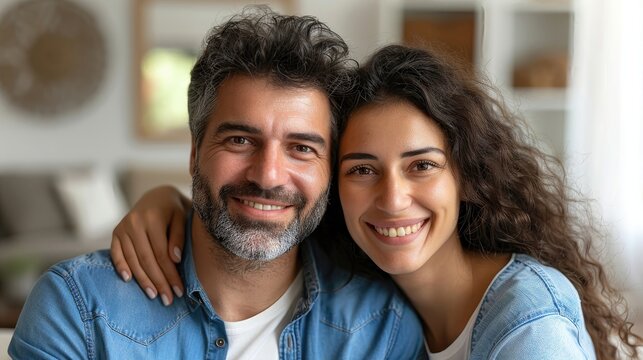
point(460, 349)
point(258, 336)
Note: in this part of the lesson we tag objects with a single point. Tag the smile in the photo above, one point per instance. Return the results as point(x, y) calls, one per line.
point(260, 206)
point(399, 231)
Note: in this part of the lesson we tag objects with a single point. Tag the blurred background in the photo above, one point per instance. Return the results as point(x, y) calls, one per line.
point(93, 106)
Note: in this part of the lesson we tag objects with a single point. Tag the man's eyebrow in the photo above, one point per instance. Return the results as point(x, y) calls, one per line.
point(421, 151)
point(358, 156)
point(228, 126)
point(309, 137)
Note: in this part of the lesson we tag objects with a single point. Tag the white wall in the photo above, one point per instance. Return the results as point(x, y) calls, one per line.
point(100, 133)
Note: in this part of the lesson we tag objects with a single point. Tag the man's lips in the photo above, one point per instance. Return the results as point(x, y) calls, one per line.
point(263, 204)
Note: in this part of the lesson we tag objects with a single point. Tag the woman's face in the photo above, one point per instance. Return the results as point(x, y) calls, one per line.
point(399, 194)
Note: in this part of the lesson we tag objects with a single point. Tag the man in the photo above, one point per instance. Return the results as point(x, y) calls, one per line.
point(263, 105)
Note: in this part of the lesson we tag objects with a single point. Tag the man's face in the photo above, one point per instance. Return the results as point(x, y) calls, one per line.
point(262, 172)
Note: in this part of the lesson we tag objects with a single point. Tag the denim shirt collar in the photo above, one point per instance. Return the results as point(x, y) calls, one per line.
point(195, 293)
point(197, 296)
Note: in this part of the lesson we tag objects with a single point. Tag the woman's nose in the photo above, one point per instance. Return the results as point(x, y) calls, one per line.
point(393, 194)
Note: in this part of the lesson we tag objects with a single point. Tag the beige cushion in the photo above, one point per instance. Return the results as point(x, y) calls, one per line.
point(5, 338)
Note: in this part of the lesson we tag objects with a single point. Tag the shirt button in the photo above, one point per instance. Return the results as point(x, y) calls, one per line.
point(220, 342)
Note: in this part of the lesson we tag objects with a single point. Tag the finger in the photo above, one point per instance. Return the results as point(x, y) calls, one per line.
point(159, 245)
point(118, 259)
point(149, 263)
point(177, 236)
point(132, 259)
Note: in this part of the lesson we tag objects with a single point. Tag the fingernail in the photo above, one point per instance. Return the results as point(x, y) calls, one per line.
point(150, 293)
point(125, 276)
point(177, 253)
point(177, 291)
point(165, 300)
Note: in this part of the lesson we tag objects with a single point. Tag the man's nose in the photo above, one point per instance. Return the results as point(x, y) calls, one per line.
point(393, 194)
point(269, 167)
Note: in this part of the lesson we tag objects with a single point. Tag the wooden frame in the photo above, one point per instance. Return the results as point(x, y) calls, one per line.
point(187, 23)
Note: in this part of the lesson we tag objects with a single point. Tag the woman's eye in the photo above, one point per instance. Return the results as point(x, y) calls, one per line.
point(424, 165)
point(360, 170)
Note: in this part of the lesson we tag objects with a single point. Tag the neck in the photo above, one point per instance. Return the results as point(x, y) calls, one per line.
point(447, 290)
point(237, 288)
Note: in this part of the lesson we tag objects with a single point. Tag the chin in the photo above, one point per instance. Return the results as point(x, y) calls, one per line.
point(397, 265)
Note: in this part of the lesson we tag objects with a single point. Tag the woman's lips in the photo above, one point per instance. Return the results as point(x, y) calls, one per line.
point(398, 232)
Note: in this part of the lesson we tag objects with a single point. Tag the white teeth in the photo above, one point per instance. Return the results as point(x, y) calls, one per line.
point(400, 231)
point(259, 206)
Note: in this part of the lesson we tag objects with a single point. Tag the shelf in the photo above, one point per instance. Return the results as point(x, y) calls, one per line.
point(441, 5)
point(543, 6)
point(540, 99)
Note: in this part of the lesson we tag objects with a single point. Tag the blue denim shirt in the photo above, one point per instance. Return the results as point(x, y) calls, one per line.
point(81, 309)
point(531, 311)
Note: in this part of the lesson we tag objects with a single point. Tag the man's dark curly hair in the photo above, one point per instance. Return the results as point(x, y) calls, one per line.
point(291, 51)
point(514, 196)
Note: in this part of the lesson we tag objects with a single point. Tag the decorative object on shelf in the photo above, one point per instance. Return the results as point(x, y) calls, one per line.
point(164, 56)
point(451, 31)
point(52, 56)
point(548, 70)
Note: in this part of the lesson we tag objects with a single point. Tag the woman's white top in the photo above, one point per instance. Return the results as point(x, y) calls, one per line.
point(460, 349)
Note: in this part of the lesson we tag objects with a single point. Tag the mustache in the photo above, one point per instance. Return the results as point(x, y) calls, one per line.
point(280, 194)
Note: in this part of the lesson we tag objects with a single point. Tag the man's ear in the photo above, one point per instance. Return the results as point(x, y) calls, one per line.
point(193, 157)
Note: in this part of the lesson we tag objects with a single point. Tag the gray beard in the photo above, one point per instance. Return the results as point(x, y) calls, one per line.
point(255, 241)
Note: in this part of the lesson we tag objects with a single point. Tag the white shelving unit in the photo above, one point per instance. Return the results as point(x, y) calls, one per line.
point(509, 33)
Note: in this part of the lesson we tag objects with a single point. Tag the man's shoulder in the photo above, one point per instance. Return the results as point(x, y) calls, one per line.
point(95, 260)
point(99, 294)
point(90, 276)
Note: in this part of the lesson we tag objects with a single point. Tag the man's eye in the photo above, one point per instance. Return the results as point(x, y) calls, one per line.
point(239, 140)
point(303, 149)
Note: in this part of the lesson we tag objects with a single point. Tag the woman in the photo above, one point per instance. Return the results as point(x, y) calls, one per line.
point(443, 191)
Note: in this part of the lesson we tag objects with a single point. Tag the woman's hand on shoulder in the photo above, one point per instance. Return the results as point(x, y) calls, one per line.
point(147, 243)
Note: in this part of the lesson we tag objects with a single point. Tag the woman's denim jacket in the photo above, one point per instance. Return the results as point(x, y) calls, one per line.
point(531, 311)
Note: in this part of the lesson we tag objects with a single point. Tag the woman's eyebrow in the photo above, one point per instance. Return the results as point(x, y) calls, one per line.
point(410, 153)
point(357, 156)
point(421, 151)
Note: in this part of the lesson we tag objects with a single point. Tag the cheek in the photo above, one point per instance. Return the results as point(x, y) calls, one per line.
point(443, 195)
point(312, 180)
point(221, 169)
point(353, 203)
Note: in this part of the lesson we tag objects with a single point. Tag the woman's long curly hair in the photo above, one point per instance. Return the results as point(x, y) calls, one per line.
point(516, 196)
